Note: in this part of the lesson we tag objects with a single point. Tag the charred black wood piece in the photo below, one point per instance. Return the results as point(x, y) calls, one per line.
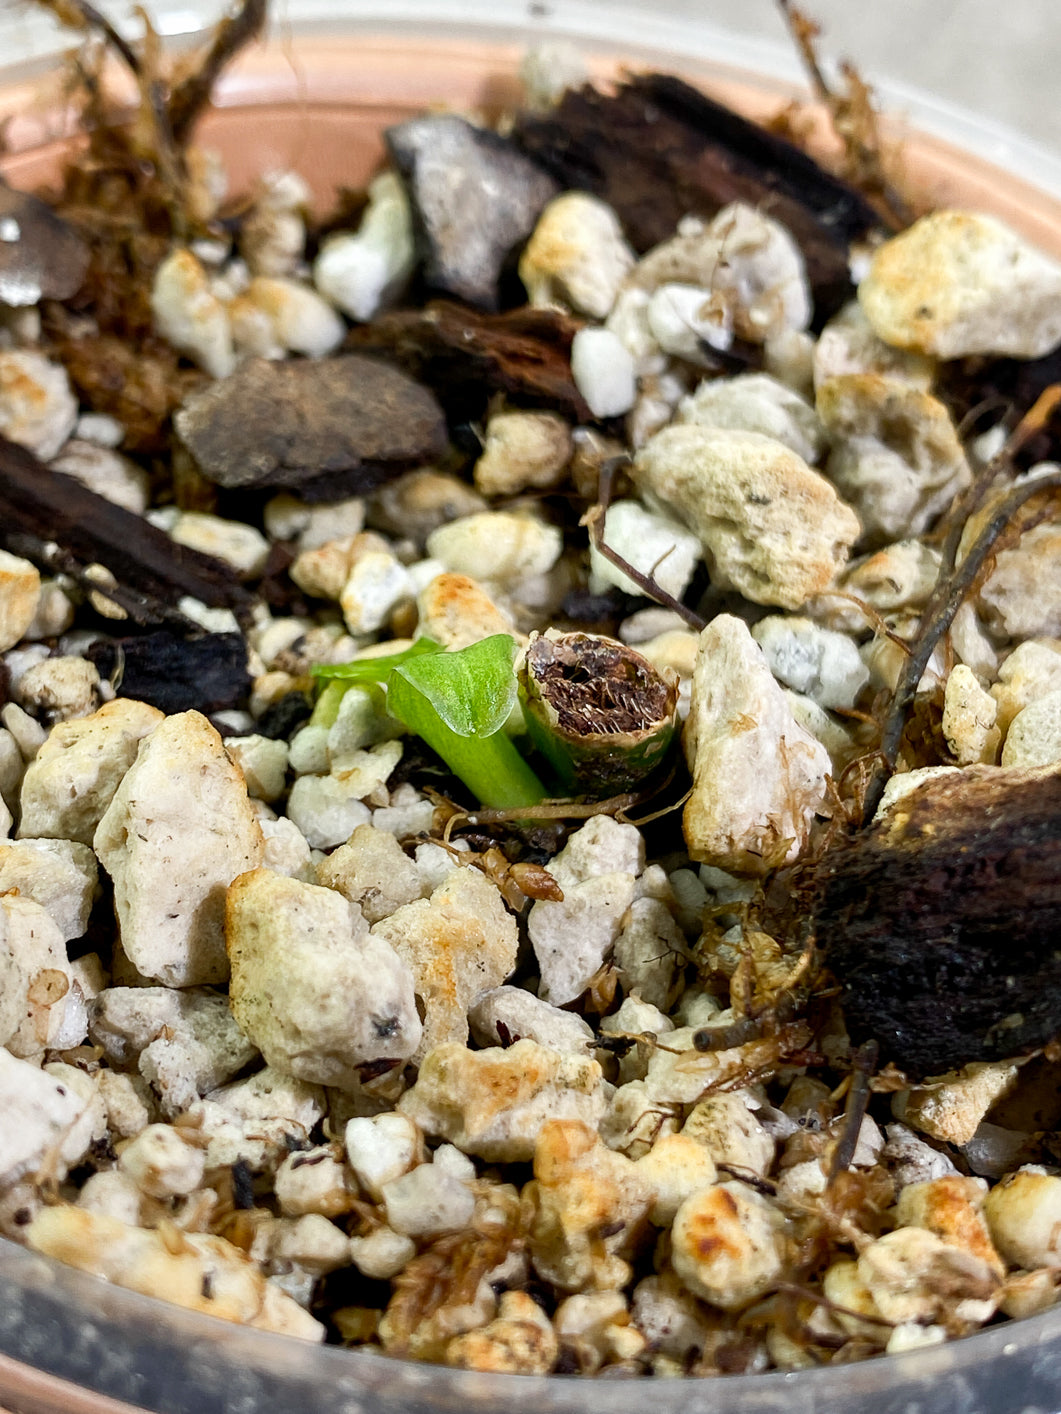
point(657, 150)
point(41, 508)
point(466, 356)
point(205, 674)
point(942, 920)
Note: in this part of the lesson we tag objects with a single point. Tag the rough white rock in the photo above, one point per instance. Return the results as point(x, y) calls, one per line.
point(676, 1167)
point(969, 714)
point(819, 662)
point(73, 778)
point(60, 688)
point(576, 255)
point(682, 319)
point(381, 1149)
point(376, 584)
point(105, 472)
point(729, 1131)
point(362, 271)
point(382, 1253)
point(184, 1043)
point(1034, 736)
point(459, 942)
point(629, 322)
point(950, 1107)
point(190, 316)
point(581, 1186)
point(1027, 674)
point(373, 871)
point(176, 833)
point(128, 1102)
point(755, 402)
point(316, 993)
point(604, 372)
point(288, 312)
point(955, 284)
point(274, 233)
point(20, 592)
point(1021, 597)
point(727, 1245)
point(770, 526)
point(238, 544)
point(253, 1119)
point(748, 261)
point(326, 809)
point(503, 1015)
point(654, 543)
point(207, 1274)
point(161, 1164)
point(896, 456)
point(427, 1202)
point(650, 952)
point(262, 761)
point(758, 777)
point(522, 450)
point(1023, 1213)
point(913, 1275)
point(504, 547)
point(456, 611)
point(54, 613)
point(669, 1317)
point(60, 875)
point(547, 70)
point(40, 977)
point(114, 1195)
point(572, 938)
point(493, 1103)
point(37, 408)
point(314, 1181)
point(848, 344)
point(40, 1121)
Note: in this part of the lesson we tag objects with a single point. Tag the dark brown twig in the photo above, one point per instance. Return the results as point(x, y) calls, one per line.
point(855, 1109)
point(594, 520)
point(192, 96)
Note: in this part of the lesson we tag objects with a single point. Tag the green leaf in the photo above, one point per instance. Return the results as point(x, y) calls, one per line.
point(376, 669)
point(473, 691)
point(459, 703)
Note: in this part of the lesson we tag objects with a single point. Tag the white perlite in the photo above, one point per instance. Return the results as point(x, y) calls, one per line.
point(74, 775)
point(493, 1103)
point(955, 284)
point(758, 777)
point(604, 372)
point(39, 1121)
point(40, 977)
point(363, 270)
point(655, 544)
point(816, 661)
point(456, 944)
point(20, 592)
point(37, 408)
point(190, 316)
point(576, 254)
point(896, 453)
point(177, 832)
point(770, 526)
point(316, 993)
point(755, 402)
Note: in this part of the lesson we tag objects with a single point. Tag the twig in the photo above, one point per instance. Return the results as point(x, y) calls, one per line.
point(594, 520)
point(853, 116)
point(855, 1109)
point(232, 34)
point(954, 585)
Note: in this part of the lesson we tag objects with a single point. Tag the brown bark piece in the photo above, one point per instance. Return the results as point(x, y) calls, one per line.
point(466, 356)
point(328, 427)
point(941, 920)
point(41, 509)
